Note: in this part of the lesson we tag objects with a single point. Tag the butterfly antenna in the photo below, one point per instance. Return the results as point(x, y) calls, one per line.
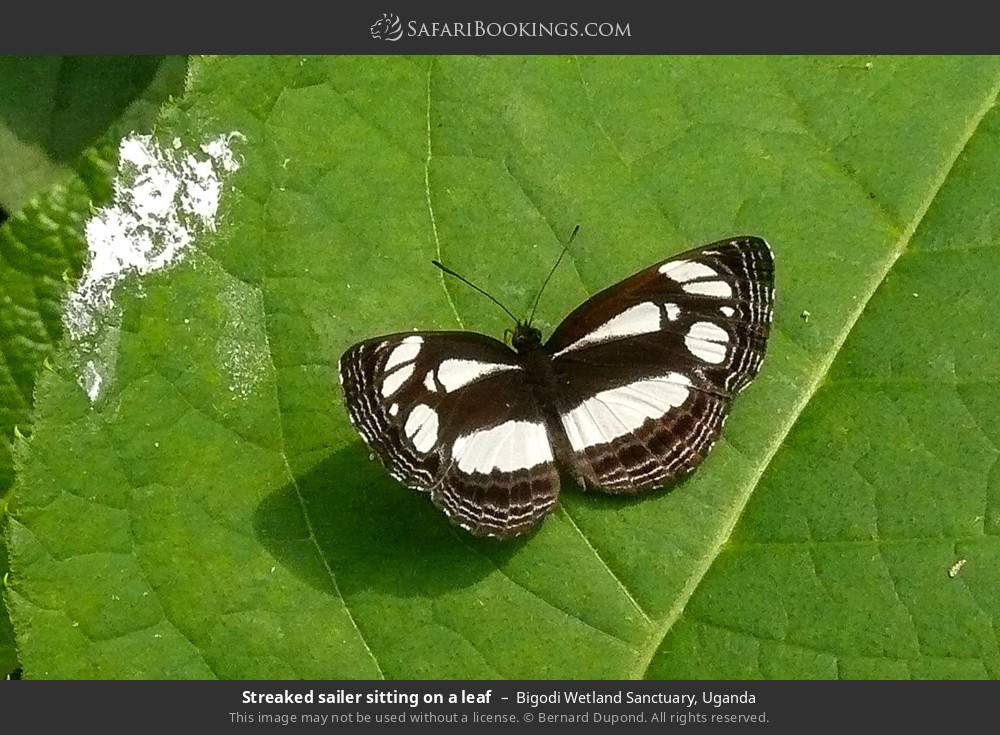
point(467, 282)
point(545, 283)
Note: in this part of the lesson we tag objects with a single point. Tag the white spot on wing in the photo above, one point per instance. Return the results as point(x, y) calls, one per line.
point(727, 310)
point(707, 342)
point(673, 312)
point(639, 319)
point(429, 381)
point(422, 427)
point(453, 374)
point(510, 446)
point(718, 289)
point(406, 351)
point(393, 382)
point(686, 270)
point(394, 409)
point(620, 411)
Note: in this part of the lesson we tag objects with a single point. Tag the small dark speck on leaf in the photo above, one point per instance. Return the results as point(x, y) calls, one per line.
point(871, 195)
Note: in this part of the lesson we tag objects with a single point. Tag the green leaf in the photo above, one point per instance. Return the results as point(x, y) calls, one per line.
point(41, 248)
point(211, 513)
point(8, 650)
point(54, 107)
point(870, 548)
point(60, 105)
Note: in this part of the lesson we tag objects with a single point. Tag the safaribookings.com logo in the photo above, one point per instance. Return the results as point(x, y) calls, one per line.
point(390, 28)
point(387, 28)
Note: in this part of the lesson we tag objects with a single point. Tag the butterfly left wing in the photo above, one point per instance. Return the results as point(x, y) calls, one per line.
point(647, 368)
point(450, 413)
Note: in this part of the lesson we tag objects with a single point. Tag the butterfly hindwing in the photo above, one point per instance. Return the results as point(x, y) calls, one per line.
point(647, 369)
point(449, 413)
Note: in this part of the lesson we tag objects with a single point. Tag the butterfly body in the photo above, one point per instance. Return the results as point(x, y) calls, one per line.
point(544, 385)
point(628, 393)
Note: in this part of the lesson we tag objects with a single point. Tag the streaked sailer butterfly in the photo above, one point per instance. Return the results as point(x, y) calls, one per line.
point(629, 393)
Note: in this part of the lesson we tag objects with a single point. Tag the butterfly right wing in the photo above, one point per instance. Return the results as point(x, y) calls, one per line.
point(450, 413)
point(648, 368)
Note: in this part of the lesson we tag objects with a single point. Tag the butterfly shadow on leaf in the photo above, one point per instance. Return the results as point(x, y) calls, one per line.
point(371, 532)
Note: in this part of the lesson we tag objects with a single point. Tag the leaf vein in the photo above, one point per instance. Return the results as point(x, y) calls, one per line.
point(430, 205)
point(816, 381)
point(298, 490)
point(567, 613)
point(607, 568)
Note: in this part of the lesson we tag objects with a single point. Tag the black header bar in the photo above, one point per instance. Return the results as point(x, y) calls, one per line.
point(453, 27)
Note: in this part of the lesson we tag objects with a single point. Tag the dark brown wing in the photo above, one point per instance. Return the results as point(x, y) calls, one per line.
point(647, 369)
point(449, 413)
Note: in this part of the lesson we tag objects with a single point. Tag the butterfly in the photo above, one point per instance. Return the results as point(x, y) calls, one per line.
point(629, 392)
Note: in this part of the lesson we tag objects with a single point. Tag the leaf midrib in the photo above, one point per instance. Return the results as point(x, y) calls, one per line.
point(665, 624)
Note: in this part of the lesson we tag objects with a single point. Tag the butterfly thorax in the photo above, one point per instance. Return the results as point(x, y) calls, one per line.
point(542, 382)
point(539, 375)
point(526, 338)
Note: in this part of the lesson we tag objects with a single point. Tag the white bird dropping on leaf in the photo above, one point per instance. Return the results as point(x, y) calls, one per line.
point(163, 197)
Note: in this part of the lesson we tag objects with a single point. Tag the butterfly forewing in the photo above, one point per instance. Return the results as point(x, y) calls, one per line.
point(449, 413)
point(646, 369)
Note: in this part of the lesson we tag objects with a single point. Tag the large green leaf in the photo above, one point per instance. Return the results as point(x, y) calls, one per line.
point(41, 247)
point(59, 105)
point(212, 513)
